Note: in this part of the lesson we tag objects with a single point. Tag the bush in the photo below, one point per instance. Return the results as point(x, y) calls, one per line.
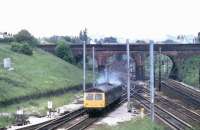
point(26, 49)
point(63, 51)
point(25, 36)
point(6, 40)
point(22, 48)
point(16, 47)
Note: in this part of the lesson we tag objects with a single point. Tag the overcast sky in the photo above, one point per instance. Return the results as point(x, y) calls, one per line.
point(121, 18)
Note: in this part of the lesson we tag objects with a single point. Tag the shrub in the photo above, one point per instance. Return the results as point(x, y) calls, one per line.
point(23, 48)
point(16, 47)
point(26, 49)
point(63, 51)
point(25, 36)
point(6, 40)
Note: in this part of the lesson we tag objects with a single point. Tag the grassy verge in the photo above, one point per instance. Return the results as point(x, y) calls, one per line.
point(37, 107)
point(4, 121)
point(139, 124)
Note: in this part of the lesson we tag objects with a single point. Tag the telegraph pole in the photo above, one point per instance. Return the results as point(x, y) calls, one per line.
point(107, 73)
point(128, 76)
point(199, 75)
point(159, 86)
point(93, 65)
point(167, 69)
point(151, 51)
point(84, 73)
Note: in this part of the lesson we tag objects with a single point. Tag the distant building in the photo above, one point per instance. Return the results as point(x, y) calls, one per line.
point(1, 36)
point(140, 42)
point(5, 35)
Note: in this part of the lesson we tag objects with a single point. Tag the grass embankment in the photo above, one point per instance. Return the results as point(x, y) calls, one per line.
point(35, 74)
point(139, 124)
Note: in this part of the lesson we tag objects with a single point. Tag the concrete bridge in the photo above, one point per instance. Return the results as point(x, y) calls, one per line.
point(176, 52)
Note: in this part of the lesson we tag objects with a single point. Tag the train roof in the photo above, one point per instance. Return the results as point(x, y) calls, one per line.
point(105, 87)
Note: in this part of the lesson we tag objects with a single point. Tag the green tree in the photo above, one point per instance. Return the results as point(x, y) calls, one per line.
point(22, 48)
point(198, 38)
point(63, 51)
point(83, 35)
point(25, 36)
point(68, 38)
point(110, 40)
point(26, 49)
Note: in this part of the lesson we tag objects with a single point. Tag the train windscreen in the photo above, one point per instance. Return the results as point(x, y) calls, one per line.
point(98, 96)
point(89, 96)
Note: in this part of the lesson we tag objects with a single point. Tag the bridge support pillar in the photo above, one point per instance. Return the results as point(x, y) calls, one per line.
point(101, 61)
point(101, 68)
point(139, 72)
point(139, 65)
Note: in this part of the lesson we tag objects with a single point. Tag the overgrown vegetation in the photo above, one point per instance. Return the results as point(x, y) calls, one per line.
point(24, 43)
point(7, 40)
point(64, 52)
point(5, 121)
point(139, 124)
point(189, 71)
point(24, 36)
point(22, 48)
point(166, 66)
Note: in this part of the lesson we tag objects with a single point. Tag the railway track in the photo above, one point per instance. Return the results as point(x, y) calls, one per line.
point(174, 115)
point(189, 115)
point(76, 120)
point(52, 124)
point(164, 115)
point(180, 111)
point(182, 114)
point(81, 124)
point(190, 95)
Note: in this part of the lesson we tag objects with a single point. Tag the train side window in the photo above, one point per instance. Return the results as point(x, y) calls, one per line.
point(98, 96)
point(89, 96)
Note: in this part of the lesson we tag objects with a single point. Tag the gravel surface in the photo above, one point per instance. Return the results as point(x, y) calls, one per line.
point(119, 115)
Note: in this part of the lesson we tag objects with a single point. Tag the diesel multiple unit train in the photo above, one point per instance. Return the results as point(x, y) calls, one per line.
point(101, 96)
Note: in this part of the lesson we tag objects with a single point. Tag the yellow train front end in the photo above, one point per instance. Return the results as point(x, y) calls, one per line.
point(94, 100)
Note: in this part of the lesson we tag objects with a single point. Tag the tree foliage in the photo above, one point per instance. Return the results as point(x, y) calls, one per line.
point(198, 38)
point(6, 40)
point(110, 40)
point(56, 39)
point(83, 35)
point(63, 51)
point(24, 36)
point(22, 48)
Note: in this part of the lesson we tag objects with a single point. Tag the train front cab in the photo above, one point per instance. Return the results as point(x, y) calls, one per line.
point(94, 100)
